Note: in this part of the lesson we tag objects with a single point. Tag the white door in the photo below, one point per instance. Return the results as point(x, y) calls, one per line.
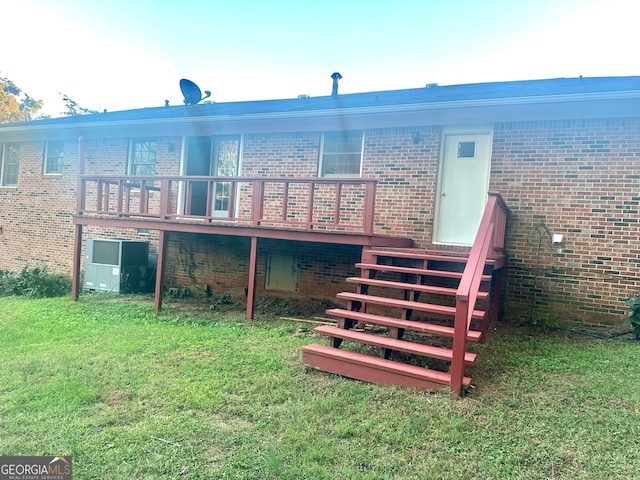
point(462, 187)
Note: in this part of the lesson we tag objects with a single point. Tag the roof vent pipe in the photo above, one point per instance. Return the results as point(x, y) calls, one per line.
point(336, 77)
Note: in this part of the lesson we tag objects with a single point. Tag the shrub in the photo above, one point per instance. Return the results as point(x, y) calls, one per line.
point(7, 283)
point(35, 283)
point(633, 302)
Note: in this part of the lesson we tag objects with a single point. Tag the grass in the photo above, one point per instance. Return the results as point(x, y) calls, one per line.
point(132, 395)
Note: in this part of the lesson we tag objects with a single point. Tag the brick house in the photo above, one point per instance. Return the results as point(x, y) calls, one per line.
point(285, 197)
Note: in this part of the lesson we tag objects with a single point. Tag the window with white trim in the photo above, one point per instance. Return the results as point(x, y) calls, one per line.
point(342, 153)
point(9, 164)
point(143, 157)
point(53, 157)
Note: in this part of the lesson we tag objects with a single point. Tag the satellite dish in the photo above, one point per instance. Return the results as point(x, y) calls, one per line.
point(191, 92)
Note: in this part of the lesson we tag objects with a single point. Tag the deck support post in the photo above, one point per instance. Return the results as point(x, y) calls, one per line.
point(77, 256)
point(459, 346)
point(253, 269)
point(162, 255)
point(496, 295)
point(80, 192)
point(77, 247)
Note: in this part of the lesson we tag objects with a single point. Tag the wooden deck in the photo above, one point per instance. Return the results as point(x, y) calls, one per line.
point(322, 210)
point(325, 210)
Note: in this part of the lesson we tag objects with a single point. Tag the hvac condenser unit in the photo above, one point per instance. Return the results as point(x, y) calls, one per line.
point(116, 266)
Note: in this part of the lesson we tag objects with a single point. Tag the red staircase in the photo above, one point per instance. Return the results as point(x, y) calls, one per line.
point(413, 312)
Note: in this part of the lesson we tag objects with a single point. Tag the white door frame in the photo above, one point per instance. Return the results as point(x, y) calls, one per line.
point(184, 152)
point(484, 130)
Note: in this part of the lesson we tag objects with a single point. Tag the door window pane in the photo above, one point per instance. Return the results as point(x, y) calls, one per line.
point(226, 159)
point(227, 154)
point(466, 149)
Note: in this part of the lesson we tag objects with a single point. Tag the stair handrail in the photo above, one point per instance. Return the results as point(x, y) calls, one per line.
point(489, 243)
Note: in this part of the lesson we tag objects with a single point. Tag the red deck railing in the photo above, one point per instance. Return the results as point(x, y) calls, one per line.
point(335, 204)
point(488, 244)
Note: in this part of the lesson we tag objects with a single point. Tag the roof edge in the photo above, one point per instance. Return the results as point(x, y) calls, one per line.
point(34, 128)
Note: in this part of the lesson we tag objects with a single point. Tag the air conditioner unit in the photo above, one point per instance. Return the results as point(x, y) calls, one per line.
point(117, 266)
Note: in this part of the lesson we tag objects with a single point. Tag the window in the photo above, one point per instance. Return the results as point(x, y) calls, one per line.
point(466, 149)
point(143, 158)
point(342, 154)
point(9, 162)
point(53, 156)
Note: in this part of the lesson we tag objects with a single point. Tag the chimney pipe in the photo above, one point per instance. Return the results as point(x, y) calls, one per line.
point(336, 77)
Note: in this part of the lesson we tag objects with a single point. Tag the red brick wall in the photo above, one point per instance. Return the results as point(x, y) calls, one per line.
point(275, 154)
point(581, 179)
point(403, 160)
point(578, 177)
point(37, 228)
point(110, 156)
point(323, 267)
point(35, 216)
point(220, 262)
point(406, 170)
point(223, 263)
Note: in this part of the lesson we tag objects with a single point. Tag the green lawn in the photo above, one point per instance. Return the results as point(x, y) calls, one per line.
point(132, 395)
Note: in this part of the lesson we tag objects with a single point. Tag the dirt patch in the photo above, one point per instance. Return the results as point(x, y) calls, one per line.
point(115, 397)
point(265, 305)
point(293, 307)
point(197, 298)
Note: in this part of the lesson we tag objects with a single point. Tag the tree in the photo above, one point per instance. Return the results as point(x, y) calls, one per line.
point(72, 107)
point(13, 106)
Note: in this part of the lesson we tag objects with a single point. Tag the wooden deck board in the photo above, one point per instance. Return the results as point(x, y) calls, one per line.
point(451, 292)
point(374, 370)
point(392, 344)
point(414, 271)
point(422, 327)
point(393, 302)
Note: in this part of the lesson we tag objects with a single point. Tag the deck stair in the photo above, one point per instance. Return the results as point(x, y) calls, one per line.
point(410, 296)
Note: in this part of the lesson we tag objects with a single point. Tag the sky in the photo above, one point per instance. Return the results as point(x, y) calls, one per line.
point(125, 54)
